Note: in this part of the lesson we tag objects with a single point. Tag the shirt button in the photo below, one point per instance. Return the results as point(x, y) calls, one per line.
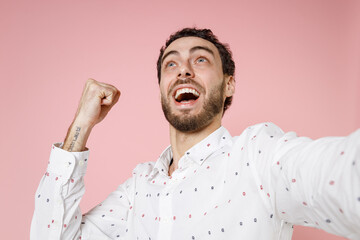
point(81, 163)
point(166, 219)
point(59, 201)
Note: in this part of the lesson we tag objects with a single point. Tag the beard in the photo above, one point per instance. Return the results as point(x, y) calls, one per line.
point(186, 122)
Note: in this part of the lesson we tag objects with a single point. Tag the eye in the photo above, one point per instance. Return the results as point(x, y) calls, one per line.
point(201, 60)
point(170, 64)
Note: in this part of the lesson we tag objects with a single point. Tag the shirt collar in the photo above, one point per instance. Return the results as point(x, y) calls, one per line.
point(198, 153)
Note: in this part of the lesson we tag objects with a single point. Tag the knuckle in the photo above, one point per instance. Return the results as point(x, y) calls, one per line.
point(90, 81)
point(112, 88)
point(115, 91)
point(93, 87)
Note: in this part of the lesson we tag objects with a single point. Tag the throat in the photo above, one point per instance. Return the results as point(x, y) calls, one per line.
point(171, 167)
point(171, 161)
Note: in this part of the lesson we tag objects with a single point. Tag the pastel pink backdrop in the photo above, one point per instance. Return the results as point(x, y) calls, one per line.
point(297, 66)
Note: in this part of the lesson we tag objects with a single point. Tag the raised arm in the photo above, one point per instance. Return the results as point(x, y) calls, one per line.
point(57, 214)
point(96, 101)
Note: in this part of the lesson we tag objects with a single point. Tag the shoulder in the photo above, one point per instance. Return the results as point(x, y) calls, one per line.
point(259, 140)
point(143, 168)
point(268, 138)
point(260, 131)
point(265, 128)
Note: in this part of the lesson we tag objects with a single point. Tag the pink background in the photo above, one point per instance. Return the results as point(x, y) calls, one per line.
point(298, 65)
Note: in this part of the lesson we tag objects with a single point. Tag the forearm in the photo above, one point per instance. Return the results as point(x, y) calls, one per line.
point(57, 214)
point(77, 136)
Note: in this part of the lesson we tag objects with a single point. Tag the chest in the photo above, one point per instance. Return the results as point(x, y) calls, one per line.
point(219, 198)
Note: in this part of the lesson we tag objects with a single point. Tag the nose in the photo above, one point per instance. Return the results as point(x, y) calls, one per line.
point(186, 71)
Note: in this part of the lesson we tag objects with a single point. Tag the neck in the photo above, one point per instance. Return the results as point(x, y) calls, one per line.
point(183, 141)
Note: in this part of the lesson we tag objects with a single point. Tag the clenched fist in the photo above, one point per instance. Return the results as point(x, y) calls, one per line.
point(96, 101)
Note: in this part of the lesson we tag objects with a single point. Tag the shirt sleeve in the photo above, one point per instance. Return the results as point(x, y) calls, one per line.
point(313, 182)
point(57, 214)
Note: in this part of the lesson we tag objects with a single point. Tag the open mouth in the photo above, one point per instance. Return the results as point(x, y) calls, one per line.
point(186, 95)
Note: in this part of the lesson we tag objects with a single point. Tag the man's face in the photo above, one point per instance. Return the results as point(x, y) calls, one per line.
point(192, 84)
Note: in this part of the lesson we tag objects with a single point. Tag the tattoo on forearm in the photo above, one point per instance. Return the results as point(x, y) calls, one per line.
point(75, 138)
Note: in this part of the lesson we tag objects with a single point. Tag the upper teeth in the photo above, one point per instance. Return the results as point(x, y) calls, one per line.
point(186, 90)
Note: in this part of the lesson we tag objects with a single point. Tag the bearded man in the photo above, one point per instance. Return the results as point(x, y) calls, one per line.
point(206, 184)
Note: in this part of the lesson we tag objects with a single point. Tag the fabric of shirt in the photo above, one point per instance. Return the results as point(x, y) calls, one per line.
point(253, 186)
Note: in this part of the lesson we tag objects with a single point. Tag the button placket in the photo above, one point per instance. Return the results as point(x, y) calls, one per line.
point(166, 212)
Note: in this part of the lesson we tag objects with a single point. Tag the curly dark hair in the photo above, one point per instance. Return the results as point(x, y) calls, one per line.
point(228, 65)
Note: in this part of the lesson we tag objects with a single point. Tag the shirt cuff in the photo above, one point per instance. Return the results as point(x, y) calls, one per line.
point(67, 164)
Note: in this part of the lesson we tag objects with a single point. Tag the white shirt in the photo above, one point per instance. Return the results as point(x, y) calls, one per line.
point(253, 186)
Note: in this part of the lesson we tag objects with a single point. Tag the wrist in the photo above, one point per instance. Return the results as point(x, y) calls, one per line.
point(77, 137)
point(82, 122)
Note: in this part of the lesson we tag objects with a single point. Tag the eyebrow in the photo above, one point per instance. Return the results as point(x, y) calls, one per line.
point(193, 49)
point(201, 48)
point(169, 53)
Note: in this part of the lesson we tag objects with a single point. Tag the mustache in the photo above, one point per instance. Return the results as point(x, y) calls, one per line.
point(187, 81)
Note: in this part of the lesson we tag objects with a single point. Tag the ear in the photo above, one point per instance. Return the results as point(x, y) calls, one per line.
point(230, 86)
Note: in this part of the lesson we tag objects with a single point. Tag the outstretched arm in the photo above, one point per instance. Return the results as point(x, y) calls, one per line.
point(319, 182)
point(309, 182)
